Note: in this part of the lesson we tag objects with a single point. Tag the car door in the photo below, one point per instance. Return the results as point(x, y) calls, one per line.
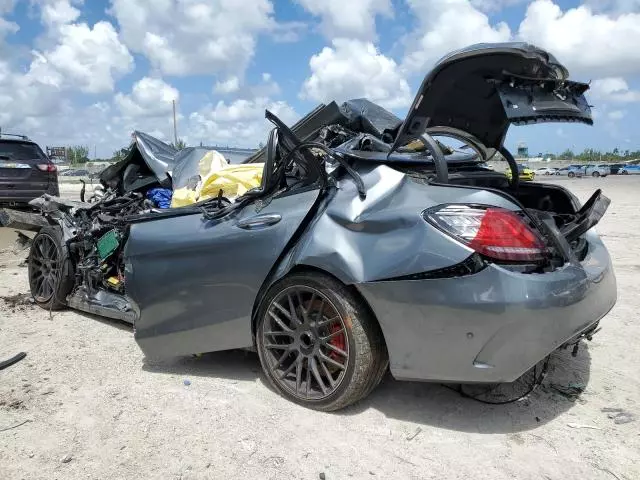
point(195, 280)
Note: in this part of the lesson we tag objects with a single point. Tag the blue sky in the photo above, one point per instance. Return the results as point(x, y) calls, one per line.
point(89, 72)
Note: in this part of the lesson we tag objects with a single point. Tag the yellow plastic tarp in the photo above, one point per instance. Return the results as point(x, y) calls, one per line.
point(233, 180)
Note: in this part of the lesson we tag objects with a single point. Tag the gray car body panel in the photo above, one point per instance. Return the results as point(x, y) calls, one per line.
point(491, 326)
point(194, 281)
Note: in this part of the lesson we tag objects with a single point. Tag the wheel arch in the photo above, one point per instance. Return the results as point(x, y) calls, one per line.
point(309, 269)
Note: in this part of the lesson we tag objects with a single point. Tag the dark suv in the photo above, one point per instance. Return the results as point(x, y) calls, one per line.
point(25, 171)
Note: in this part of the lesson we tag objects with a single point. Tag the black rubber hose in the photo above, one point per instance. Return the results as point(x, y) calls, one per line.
point(15, 359)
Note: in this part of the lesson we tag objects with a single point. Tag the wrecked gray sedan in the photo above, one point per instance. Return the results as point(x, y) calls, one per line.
point(369, 244)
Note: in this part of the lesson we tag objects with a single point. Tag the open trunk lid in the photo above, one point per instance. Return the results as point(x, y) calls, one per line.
point(484, 88)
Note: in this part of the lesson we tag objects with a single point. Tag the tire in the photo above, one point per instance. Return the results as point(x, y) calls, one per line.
point(329, 336)
point(624, 172)
point(595, 174)
point(51, 273)
point(571, 174)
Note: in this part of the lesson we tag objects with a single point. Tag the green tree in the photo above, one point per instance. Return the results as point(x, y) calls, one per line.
point(180, 145)
point(119, 155)
point(78, 154)
point(566, 155)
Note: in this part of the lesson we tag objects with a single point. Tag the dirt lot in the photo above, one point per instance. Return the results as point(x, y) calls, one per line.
point(92, 406)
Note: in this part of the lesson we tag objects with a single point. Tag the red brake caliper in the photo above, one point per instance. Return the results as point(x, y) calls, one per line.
point(338, 341)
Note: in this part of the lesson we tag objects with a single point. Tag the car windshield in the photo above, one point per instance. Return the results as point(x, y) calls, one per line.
point(20, 151)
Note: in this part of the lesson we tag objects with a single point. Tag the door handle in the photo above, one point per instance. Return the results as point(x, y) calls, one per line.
point(260, 221)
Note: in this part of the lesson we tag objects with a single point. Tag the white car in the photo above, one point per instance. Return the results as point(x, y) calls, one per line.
point(597, 170)
point(546, 171)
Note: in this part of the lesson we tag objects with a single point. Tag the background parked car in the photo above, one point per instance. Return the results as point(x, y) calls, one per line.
point(546, 171)
point(629, 170)
point(524, 173)
point(25, 171)
point(597, 170)
point(571, 171)
point(615, 168)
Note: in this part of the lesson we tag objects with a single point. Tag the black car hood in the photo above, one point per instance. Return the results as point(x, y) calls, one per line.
point(484, 88)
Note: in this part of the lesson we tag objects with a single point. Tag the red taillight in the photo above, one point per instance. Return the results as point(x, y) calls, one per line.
point(47, 167)
point(493, 232)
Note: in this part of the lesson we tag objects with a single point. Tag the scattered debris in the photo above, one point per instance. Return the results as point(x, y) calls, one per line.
point(578, 425)
point(619, 415)
point(414, 434)
point(187, 382)
point(571, 391)
point(67, 458)
point(13, 404)
point(611, 409)
point(623, 418)
point(18, 300)
point(275, 462)
point(22, 242)
point(606, 470)
point(15, 359)
point(14, 426)
point(323, 476)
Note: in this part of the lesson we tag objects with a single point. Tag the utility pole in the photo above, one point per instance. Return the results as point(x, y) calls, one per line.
point(175, 127)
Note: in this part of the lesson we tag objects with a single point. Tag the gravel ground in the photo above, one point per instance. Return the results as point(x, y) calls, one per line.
point(86, 404)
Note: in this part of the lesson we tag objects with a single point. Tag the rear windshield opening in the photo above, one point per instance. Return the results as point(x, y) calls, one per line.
point(20, 151)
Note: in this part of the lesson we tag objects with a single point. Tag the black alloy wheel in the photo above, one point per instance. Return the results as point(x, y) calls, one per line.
point(317, 344)
point(50, 272)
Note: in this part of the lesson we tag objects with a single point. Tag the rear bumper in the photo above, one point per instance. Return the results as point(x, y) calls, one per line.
point(492, 326)
point(23, 194)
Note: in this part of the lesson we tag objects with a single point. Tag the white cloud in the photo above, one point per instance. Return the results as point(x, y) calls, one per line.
point(230, 85)
point(615, 89)
point(150, 97)
point(57, 12)
point(90, 59)
point(238, 123)
point(616, 114)
point(354, 69)
point(350, 18)
point(446, 25)
point(7, 28)
point(586, 42)
point(183, 37)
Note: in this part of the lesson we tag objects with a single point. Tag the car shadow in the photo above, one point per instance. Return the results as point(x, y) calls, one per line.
point(422, 403)
point(112, 322)
point(441, 406)
point(238, 365)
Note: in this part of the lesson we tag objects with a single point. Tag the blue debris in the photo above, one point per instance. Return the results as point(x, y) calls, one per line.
point(161, 197)
point(187, 382)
